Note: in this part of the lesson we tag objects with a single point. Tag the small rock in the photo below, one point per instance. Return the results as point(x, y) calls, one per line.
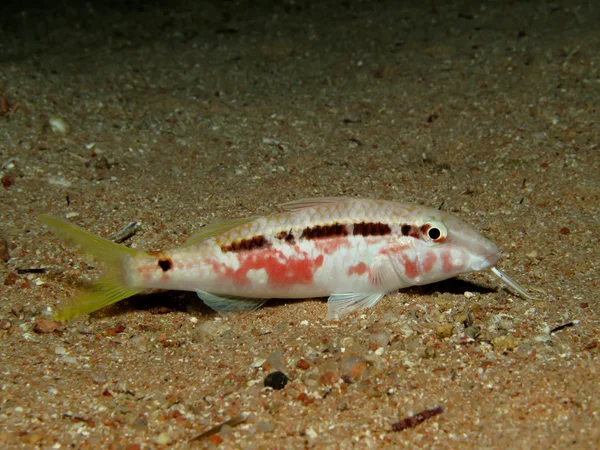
point(380, 339)
point(276, 380)
point(532, 254)
point(341, 406)
point(472, 332)
point(505, 343)
point(302, 364)
point(99, 378)
point(354, 367)
point(311, 433)
point(5, 324)
point(10, 279)
point(59, 125)
point(215, 439)
point(262, 426)
point(209, 330)
point(444, 331)
point(163, 438)
point(428, 353)
point(45, 325)
point(140, 424)
point(275, 359)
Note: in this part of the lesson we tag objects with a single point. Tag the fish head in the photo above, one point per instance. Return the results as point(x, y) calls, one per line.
point(443, 246)
point(476, 251)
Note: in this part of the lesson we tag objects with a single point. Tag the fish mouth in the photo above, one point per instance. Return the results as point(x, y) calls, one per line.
point(493, 259)
point(488, 261)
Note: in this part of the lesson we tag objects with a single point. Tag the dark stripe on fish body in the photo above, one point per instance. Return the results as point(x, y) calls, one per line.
point(244, 245)
point(371, 229)
point(286, 236)
point(324, 231)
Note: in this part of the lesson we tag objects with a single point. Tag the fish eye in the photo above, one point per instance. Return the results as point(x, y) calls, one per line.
point(434, 232)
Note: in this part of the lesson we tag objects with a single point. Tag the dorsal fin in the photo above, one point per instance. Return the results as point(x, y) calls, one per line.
point(303, 203)
point(214, 229)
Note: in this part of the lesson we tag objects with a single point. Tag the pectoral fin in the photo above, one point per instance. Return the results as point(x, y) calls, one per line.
point(226, 304)
point(338, 305)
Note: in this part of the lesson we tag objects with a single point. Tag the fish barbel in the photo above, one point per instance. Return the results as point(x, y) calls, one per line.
point(353, 251)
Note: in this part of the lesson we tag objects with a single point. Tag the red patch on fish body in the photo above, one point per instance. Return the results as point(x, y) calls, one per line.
point(429, 262)
point(447, 264)
point(358, 269)
point(281, 270)
point(411, 269)
point(329, 246)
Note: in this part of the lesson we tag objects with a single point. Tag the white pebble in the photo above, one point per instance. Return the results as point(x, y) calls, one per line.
point(59, 125)
point(163, 439)
point(258, 362)
point(312, 434)
point(468, 294)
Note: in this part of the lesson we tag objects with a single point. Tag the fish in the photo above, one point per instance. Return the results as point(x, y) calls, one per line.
point(351, 250)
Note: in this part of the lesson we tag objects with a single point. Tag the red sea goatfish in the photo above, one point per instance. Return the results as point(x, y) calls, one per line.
point(353, 251)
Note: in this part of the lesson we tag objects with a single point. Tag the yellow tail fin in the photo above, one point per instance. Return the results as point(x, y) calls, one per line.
point(107, 290)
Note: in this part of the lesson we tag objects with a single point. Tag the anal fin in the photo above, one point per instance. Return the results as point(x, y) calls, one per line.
point(228, 304)
point(339, 305)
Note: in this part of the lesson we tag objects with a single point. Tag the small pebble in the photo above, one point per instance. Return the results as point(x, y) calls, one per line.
point(163, 438)
point(380, 339)
point(312, 434)
point(262, 426)
point(45, 325)
point(140, 424)
point(59, 125)
point(276, 380)
point(99, 378)
point(532, 255)
point(505, 343)
point(226, 430)
point(444, 331)
point(358, 369)
point(472, 332)
point(302, 364)
point(341, 406)
point(275, 359)
point(5, 324)
point(209, 330)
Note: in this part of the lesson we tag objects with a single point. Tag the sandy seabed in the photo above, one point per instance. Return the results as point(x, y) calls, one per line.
point(179, 115)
